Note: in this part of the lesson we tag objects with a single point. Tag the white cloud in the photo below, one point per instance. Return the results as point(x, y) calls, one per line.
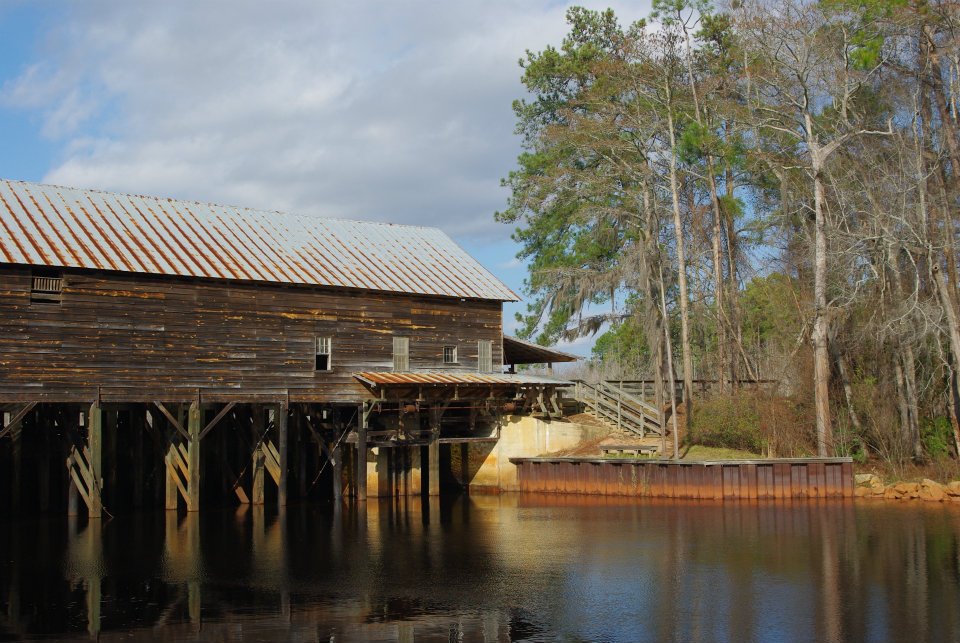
point(394, 111)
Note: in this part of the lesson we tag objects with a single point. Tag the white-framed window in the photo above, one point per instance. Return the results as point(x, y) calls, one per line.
point(323, 356)
point(401, 354)
point(449, 354)
point(46, 288)
point(485, 356)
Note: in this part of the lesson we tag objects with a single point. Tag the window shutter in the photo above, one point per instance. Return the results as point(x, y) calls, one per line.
point(485, 356)
point(401, 354)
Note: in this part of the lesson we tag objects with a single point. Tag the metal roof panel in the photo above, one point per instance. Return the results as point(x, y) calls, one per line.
point(46, 225)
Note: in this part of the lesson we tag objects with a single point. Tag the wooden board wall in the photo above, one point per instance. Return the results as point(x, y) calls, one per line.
point(141, 337)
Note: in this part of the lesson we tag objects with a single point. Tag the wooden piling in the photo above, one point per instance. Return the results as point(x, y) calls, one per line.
point(137, 429)
point(256, 489)
point(95, 439)
point(433, 454)
point(170, 486)
point(337, 473)
point(281, 424)
point(16, 470)
point(361, 480)
point(193, 457)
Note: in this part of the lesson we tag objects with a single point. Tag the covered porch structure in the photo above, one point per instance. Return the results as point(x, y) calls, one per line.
point(414, 421)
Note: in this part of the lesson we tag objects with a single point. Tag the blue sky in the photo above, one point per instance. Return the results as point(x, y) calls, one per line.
point(391, 111)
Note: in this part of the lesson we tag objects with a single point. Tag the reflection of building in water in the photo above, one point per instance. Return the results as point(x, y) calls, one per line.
point(85, 568)
point(493, 569)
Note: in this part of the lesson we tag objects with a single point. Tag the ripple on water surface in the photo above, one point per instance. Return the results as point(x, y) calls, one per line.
point(507, 568)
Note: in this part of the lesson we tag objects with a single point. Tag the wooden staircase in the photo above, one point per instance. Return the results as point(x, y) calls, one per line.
point(618, 408)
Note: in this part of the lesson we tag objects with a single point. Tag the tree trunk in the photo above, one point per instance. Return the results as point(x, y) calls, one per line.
point(843, 372)
point(821, 322)
point(723, 354)
point(953, 328)
point(733, 285)
point(946, 302)
point(913, 405)
point(722, 348)
point(909, 425)
point(673, 404)
point(902, 407)
point(681, 267)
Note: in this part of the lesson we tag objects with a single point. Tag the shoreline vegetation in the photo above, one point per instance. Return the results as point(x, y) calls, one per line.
point(756, 192)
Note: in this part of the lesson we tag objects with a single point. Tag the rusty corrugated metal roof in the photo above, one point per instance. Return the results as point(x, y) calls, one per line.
point(46, 225)
point(448, 377)
point(520, 351)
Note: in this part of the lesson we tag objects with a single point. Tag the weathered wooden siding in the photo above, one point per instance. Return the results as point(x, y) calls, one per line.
point(138, 337)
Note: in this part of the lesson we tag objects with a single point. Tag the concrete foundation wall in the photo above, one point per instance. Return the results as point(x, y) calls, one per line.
point(483, 466)
point(488, 464)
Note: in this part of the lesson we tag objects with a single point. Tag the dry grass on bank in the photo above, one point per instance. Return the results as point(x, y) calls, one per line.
point(698, 452)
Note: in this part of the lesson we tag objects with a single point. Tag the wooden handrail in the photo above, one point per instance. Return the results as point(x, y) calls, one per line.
point(613, 404)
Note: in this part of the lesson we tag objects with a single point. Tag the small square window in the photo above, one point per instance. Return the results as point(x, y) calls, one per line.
point(46, 287)
point(323, 354)
point(449, 354)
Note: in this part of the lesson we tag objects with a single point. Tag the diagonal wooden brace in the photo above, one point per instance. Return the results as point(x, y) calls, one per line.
point(13, 426)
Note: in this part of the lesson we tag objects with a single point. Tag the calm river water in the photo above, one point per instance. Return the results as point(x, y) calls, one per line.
point(510, 568)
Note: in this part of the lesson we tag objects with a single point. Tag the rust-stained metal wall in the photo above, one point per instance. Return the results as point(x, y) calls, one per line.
point(718, 480)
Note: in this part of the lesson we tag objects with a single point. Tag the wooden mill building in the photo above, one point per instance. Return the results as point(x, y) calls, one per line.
point(154, 352)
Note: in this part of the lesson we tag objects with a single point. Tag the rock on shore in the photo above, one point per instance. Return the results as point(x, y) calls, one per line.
point(869, 485)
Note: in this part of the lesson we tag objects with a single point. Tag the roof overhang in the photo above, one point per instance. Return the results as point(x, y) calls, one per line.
point(447, 379)
point(519, 351)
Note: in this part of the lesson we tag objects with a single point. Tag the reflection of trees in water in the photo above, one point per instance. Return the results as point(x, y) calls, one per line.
point(487, 569)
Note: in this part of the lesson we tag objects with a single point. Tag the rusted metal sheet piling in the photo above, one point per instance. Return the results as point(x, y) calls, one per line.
point(715, 480)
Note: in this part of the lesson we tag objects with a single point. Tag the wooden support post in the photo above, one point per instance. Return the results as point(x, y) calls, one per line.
point(281, 424)
point(256, 490)
point(337, 473)
point(361, 472)
point(193, 457)
point(465, 465)
point(298, 422)
point(16, 470)
point(384, 473)
point(433, 452)
point(416, 471)
point(137, 421)
point(170, 492)
point(110, 427)
point(95, 438)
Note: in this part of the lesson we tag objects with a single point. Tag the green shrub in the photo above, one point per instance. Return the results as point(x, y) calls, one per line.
point(936, 435)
